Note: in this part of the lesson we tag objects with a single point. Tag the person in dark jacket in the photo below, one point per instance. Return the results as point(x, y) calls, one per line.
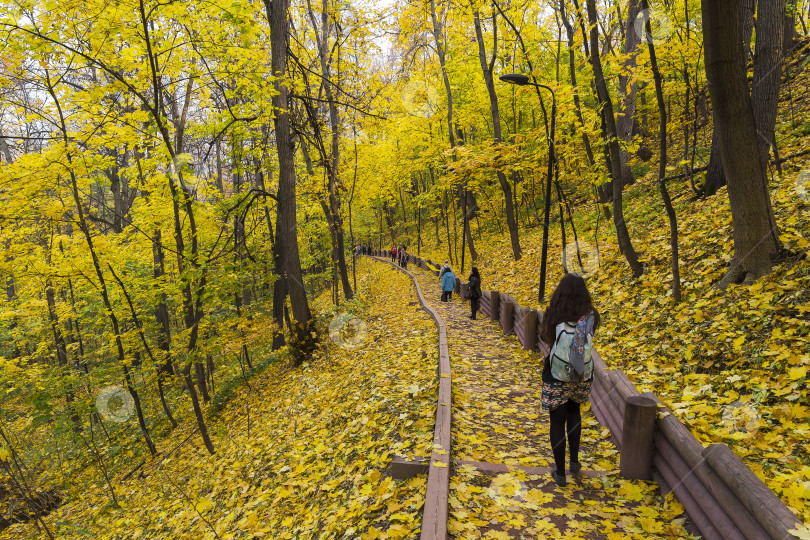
point(474, 284)
point(403, 258)
point(570, 310)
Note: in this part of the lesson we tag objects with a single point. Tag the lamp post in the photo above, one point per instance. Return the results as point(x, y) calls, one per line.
point(523, 80)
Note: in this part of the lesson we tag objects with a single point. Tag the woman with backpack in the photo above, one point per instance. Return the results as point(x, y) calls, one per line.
point(474, 287)
point(568, 326)
point(445, 269)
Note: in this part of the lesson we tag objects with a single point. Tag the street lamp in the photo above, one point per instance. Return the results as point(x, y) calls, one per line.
point(523, 80)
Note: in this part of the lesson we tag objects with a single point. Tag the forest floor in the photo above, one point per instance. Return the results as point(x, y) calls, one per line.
point(498, 419)
point(732, 364)
point(301, 452)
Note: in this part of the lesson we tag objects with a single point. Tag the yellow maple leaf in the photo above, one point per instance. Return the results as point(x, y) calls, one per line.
point(797, 373)
point(631, 492)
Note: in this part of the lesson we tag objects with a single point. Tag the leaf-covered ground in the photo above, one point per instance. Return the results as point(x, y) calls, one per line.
point(497, 418)
point(302, 453)
point(732, 364)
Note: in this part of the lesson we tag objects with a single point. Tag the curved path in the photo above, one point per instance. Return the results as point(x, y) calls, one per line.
point(498, 484)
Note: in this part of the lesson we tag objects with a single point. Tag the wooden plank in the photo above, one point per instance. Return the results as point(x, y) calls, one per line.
point(603, 415)
point(764, 505)
point(673, 434)
point(598, 362)
point(493, 469)
point(692, 507)
point(435, 513)
point(403, 468)
point(485, 309)
point(689, 478)
point(518, 323)
point(607, 415)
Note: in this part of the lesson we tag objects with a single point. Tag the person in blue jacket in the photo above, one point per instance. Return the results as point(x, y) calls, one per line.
point(448, 284)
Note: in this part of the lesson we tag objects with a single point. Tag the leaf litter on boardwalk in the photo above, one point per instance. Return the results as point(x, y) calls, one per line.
point(498, 418)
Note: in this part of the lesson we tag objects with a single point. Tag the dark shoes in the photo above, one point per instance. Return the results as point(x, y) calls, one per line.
point(560, 479)
point(575, 467)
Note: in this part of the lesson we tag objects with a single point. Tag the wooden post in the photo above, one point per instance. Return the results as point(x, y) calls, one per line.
point(508, 318)
point(494, 305)
point(530, 330)
point(635, 462)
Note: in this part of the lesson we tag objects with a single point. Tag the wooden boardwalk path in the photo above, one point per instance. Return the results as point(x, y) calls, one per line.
point(500, 482)
point(488, 476)
point(494, 480)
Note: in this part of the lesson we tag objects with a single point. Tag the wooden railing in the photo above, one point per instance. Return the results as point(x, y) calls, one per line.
point(721, 495)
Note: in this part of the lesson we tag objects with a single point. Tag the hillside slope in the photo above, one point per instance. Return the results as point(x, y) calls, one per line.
point(732, 364)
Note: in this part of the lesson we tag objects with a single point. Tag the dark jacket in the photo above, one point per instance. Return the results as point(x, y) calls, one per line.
point(474, 283)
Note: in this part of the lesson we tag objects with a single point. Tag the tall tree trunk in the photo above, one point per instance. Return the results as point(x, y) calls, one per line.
point(662, 164)
point(790, 35)
point(331, 157)
point(487, 68)
point(102, 285)
point(162, 311)
point(628, 87)
point(61, 353)
point(441, 51)
point(739, 144)
point(715, 176)
point(622, 235)
point(569, 29)
point(166, 410)
point(767, 72)
point(286, 224)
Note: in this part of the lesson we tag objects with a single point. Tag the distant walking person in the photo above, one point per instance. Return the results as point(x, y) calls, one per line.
point(474, 285)
point(448, 284)
point(568, 326)
point(403, 258)
point(445, 269)
point(393, 252)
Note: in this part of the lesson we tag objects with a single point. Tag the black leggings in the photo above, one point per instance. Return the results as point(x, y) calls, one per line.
point(566, 415)
point(474, 306)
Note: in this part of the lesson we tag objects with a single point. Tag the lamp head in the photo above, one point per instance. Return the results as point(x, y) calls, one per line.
point(515, 78)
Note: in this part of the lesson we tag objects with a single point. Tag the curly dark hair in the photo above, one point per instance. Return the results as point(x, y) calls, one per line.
point(569, 302)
